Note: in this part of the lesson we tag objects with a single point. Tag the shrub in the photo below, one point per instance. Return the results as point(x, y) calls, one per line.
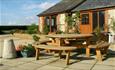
point(32, 29)
point(59, 32)
point(46, 29)
point(36, 38)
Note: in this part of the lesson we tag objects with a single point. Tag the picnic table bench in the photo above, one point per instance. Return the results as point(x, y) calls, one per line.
point(42, 42)
point(101, 48)
point(55, 48)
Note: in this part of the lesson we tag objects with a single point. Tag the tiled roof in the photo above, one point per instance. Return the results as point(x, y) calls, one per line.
point(94, 4)
point(63, 6)
point(77, 5)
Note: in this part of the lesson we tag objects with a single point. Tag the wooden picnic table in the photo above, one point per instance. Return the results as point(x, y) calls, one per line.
point(57, 38)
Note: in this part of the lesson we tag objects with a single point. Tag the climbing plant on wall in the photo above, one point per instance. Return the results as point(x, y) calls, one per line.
point(72, 20)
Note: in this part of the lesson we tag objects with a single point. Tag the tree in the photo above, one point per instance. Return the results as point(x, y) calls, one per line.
point(32, 29)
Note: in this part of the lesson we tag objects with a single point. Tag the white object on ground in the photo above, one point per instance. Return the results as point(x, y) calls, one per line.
point(1, 47)
point(111, 39)
point(9, 49)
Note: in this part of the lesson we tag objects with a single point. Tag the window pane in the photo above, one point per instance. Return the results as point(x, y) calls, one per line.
point(101, 20)
point(85, 18)
point(47, 21)
point(95, 20)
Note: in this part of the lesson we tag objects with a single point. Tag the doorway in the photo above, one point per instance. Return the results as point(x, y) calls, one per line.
point(98, 19)
point(50, 21)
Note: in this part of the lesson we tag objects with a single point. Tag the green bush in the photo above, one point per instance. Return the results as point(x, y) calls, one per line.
point(29, 47)
point(36, 38)
point(33, 29)
point(46, 29)
point(60, 32)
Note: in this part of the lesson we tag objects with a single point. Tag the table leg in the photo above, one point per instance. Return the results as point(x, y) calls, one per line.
point(37, 53)
point(60, 53)
point(87, 49)
point(67, 57)
point(87, 52)
point(58, 41)
point(99, 55)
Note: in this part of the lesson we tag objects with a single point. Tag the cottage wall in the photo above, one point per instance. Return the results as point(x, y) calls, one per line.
point(111, 15)
point(41, 23)
point(62, 24)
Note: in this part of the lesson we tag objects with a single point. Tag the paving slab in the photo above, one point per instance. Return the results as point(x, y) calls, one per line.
point(29, 66)
point(26, 59)
point(69, 69)
point(62, 63)
point(15, 68)
point(103, 67)
point(54, 63)
point(80, 66)
point(47, 67)
point(45, 61)
point(109, 63)
point(4, 67)
point(13, 63)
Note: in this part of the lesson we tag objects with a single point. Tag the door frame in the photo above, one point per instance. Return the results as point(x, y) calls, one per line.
point(91, 19)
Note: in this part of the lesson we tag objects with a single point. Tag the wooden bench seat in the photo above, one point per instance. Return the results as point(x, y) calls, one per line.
point(42, 42)
point(52, 47)
point(101, 48)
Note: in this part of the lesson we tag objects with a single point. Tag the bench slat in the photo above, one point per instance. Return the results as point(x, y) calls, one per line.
point(99, 45)
point(42, 42)
point(52, 47)
point(56, 48)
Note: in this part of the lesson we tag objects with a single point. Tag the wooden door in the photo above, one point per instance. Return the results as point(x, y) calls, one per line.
point(85, 25)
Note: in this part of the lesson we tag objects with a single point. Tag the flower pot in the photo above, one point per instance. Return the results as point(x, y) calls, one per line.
point(27, 53)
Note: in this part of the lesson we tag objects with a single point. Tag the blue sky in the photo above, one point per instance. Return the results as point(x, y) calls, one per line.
point(22, 12)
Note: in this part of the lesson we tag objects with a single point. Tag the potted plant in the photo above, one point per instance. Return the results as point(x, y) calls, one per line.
point(28, 51)
point(36, 38)
point(18, 49)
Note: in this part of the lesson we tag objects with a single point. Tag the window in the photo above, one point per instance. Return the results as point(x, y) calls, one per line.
point(85, 18)
point(47, 21)
point(98, 19)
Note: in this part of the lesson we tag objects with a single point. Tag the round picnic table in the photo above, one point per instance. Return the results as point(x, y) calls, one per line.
point(58, 38)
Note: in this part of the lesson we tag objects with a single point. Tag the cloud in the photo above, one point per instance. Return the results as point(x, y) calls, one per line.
point(46, 5)
point(43, 6)
point(24, 21)
point(31, 19)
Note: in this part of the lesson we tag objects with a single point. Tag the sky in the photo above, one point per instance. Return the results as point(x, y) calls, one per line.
point(22, 12)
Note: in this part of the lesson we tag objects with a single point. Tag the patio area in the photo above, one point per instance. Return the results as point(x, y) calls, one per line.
point(49, 62)
point(78, 62)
